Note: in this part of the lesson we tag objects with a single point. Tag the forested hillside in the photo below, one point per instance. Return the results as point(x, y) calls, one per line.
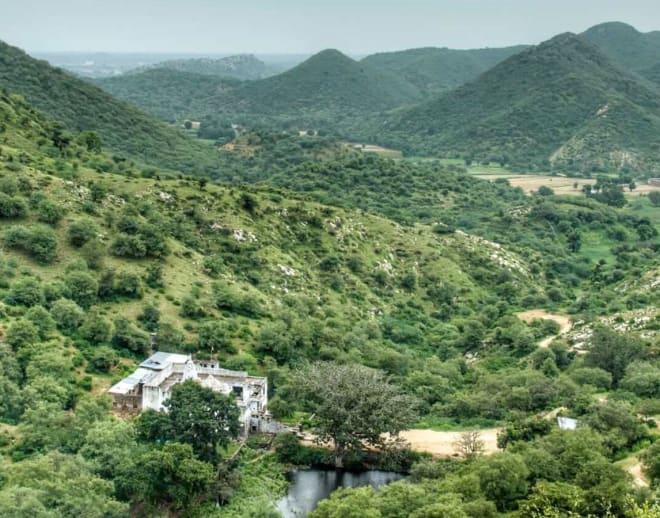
point(169, 93)
point(436, 70)
point(630, 49)
point(327, 92)
point(81, 106)
point(242, 67)
point(561, 105)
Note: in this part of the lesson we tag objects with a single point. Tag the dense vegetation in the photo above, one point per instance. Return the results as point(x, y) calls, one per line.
point(81, 106)
point(573, 110)
point(629, 48)
point(171, 94)
point(436, 70)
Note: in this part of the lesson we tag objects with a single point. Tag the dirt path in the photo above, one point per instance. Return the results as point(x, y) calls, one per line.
point(639, 480)
point(565, 324)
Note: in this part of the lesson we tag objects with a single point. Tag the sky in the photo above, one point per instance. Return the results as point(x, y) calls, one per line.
point(302, 26)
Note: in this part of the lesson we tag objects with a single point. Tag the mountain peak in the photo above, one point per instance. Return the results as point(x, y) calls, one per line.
point(613, 28)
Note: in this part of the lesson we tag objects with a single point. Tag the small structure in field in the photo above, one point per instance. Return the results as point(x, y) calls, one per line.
point(566, 423)
point(654, 181)
point(150, 386)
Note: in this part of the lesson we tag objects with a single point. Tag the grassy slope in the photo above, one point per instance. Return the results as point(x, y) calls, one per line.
point(288, 233)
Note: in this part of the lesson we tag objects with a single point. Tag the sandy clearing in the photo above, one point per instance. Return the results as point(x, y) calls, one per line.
point(443, 444)
point(565, 323)
point(639, 480)
point(438, 444)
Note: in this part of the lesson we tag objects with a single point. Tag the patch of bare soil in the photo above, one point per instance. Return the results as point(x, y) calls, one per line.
point(565, 323)
point(443, 444)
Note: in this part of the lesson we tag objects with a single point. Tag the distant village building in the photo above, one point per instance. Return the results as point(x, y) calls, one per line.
point(150, 386)
point(195, 124)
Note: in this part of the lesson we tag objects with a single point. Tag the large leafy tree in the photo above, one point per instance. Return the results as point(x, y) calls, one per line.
point(196, 416)
point(353, 405)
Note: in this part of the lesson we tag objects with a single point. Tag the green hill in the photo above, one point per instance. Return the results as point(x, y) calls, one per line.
point(241, 66)
point(168, 93)
point(561, 105)
point(630, 49)
point(82, 106)
point(328, 91)
point(435, 70)
point(99, 263)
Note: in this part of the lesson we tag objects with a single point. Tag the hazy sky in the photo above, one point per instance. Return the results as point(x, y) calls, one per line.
point(302, 26)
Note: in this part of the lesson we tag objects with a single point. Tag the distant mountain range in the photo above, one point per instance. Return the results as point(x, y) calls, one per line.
point(588, 101)
point(241, 66)
point(82, 106)
point(435, 70)
point(560, 104)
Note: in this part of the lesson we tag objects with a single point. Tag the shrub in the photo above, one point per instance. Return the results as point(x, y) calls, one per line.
point(128, 284)
point(42, 320)
point(215, 336)
point(127, 336)
point(103, 359)
point(49, 212)
point(21, 333)
point(96, 329)
point(12, 207)
point(26, 292)
point(82, 287)
point(39, 241)
point(126, 245)
point(67, 314)
point(82, 231)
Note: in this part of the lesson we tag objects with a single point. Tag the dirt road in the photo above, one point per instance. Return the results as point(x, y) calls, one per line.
point(565, 324)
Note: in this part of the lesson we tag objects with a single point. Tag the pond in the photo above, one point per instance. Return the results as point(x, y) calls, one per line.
point(308, 487)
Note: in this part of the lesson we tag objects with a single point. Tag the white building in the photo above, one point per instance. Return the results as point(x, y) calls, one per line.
point(151, 385)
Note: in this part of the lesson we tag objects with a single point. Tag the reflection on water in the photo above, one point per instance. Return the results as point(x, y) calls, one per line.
point(310, 486)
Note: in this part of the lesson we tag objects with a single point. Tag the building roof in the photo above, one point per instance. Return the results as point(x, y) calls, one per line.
point(566, 423)
point(160, 360)
point(139, 376)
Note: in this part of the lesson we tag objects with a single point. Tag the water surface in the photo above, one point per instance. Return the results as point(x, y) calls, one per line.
point(308, 487)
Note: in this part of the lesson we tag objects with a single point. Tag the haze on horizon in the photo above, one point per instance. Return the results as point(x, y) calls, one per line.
point(302, 26)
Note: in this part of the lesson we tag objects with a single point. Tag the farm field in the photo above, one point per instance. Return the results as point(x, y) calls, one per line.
point(563, 185)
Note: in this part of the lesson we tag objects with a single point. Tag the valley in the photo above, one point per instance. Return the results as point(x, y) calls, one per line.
point(433, 267)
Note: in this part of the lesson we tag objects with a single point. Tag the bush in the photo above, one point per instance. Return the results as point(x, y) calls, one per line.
point(595, 377)
point(103, 360)
point(126, 245)
point(12, 207)
point(127, 336)
point(82, 231)
point(128, 284)
point(96, 329)
point(21, 333)
point(49, 212)
point(67, 314)
point(42, 320)
point(82, 287)
point(214, 335)
point(39, 241)
point(26, 292)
